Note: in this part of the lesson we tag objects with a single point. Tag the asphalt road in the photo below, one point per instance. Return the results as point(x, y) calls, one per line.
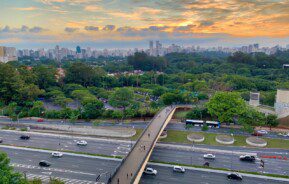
point(81, 170)
point(71, 167)
point(113, 148)
point(166, 175)
point(142, 125)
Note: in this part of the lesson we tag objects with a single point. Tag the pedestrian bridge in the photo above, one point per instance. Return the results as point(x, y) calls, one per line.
point(132, 166)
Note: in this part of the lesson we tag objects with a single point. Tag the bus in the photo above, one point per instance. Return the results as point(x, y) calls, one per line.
point(194, 122)
point(212, 124)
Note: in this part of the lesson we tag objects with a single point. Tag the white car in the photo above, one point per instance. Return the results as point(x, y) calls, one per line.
point(209, 156)
point(57, 154)
point(179, 169)
point(81, 143)
point(262, 131)
point(284, 134)
point(150, 171)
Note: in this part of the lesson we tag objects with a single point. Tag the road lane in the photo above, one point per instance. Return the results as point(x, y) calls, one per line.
point(121, 148)
point(166, 175)
point(82, 170)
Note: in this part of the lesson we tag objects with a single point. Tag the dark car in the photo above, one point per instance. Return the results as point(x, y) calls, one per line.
point(257, 134)
point(44, 163)
point(234, 176)
point(25, 137)
point(1, 140)
point(247, 158)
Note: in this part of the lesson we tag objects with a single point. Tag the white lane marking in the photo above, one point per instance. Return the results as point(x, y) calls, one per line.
point(49, 169)
point(71, 181)
point(66, 153)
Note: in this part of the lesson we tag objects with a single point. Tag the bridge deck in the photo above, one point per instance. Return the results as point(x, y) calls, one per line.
point(132, 166)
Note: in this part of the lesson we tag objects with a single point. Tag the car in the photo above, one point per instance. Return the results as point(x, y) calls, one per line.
point(234, 176)
point(1, 140)
point(179, 169)
point(40, 120)
point(81, 143)
point(25, 137)
point(44, 163)
point(209, 156)
point(247, 158)
point(57, 154)
point(256, 133)
point(150, 171)
point(262, 132)
point(284, 134)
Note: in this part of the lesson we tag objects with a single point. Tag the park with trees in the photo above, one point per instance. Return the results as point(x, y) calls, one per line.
point(109, 88)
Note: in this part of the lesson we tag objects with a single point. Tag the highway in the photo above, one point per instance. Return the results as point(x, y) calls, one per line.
point(160, 153)
point(142, 125)
point(82, 170)
point(166, 175)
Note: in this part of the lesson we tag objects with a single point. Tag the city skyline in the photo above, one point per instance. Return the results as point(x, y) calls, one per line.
point(132, 23)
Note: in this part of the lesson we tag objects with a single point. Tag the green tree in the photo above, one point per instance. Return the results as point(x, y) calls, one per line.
point(118, 115)
point(46, 76)
point(271, 120)
point(7, 174)
point(37, 109)
point(226, 105)
point(92, 108)
point(122, 98)
point(170, 98)
point(251, 117)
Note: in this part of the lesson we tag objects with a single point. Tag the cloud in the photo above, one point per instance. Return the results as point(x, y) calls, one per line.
point(206, 23)
point(36, 29)
point(91, 28)
point(70, 29)
point(31, 8)
point(108, 28)
point(92, 8)
point(23, 29)
point(185, 28)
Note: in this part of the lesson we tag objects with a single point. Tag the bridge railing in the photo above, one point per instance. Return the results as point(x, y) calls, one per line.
point(151, 146)
point(124, 159)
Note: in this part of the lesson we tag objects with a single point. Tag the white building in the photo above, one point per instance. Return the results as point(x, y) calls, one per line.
point(8, 54)
point(282, 103)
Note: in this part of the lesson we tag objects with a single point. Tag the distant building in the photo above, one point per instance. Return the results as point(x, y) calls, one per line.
point(151, 48)
point(282, 103)
point(8, 54)
point(158, 48)
point(78, 50)
point(254, 99)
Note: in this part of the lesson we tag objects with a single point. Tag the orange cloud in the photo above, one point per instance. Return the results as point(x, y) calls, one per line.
point(32, 8)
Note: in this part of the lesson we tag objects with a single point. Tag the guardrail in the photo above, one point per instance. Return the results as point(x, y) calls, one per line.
point(154, 141)
point(123, 160)
point(148, 152)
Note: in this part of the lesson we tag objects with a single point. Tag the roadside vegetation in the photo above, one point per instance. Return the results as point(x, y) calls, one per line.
point(175, 136)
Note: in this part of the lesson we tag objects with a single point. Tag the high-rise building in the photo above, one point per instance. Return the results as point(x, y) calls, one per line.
point(151, 48)
point(57, 53)
point(255, 47)
point(8, 54)
point(78, 50)
point(158, 48)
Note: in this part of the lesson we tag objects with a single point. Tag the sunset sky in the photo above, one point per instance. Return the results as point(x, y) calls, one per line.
point(131, 23)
